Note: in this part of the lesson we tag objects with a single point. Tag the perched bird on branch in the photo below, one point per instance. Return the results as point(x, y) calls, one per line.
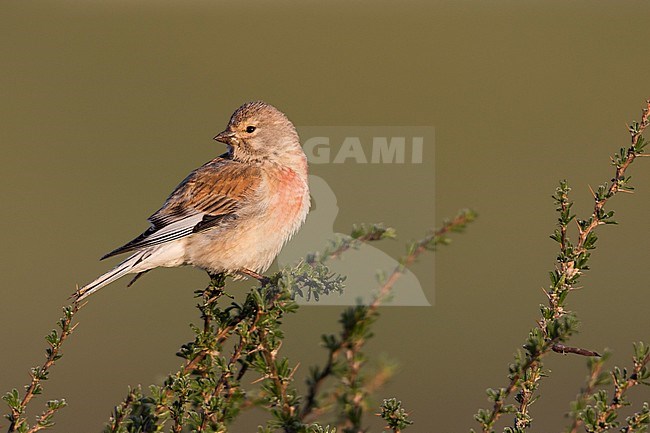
point(233, 214)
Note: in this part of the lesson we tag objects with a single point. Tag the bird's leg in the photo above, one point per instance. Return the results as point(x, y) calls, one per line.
point(261, 278)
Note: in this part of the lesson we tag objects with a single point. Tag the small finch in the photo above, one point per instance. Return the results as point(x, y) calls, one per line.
point(233, 214)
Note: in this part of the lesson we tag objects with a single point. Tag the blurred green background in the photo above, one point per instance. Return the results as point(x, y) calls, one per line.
point(105, 106)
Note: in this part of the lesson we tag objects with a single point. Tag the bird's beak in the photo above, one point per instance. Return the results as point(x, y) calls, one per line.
point(225, 137)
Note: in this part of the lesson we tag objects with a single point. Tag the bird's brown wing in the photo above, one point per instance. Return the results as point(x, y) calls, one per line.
point(210, 195)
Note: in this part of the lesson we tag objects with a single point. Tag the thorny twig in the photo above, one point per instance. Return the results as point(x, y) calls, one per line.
point(592, 382)
point(346, 347)
point(620, 388)
point(40, 373)
point(568, 271)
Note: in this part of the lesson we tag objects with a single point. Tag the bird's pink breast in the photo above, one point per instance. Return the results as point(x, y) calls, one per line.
point(287, 203)
point(260, 232)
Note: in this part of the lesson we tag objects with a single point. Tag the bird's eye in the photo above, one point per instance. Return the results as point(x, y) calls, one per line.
point(250, 129)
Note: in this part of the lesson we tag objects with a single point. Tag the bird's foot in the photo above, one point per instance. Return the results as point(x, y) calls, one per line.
point(261, 278)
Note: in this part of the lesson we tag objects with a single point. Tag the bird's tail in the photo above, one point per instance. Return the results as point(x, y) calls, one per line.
point(128, 266)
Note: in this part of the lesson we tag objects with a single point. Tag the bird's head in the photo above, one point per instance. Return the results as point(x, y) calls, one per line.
point(260, 132)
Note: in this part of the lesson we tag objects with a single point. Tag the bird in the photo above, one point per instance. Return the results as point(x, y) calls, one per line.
point(233, 214)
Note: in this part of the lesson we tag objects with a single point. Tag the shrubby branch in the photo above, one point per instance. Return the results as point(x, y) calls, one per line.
point(207, 393)
point(238, 340)
point(557, 324)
